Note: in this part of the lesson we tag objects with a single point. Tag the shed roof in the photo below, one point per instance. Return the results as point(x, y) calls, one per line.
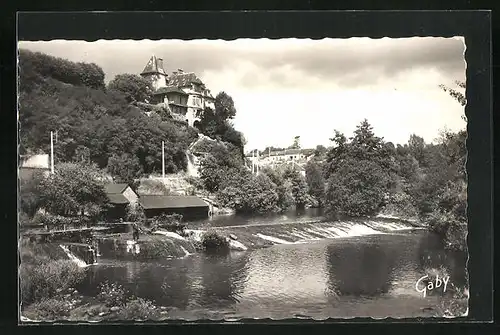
point(164, 202)
point(115, 188)
point(117, 199)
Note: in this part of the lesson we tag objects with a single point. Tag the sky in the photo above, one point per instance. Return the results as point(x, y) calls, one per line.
point(301, 87)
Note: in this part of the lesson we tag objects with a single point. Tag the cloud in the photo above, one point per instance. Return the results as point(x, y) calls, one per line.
point(289, 87)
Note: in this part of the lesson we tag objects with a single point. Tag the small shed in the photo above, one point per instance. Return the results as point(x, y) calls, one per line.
point(190, 207)
point(120, 195)
point(30, 165)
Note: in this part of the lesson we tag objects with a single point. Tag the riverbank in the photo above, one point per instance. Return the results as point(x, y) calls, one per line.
point(330, 278)
point(168, 269)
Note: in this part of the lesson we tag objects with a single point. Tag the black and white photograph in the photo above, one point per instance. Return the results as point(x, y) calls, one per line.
point(253, 178)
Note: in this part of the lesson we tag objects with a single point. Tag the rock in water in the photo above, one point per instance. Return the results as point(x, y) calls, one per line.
point(233, 237)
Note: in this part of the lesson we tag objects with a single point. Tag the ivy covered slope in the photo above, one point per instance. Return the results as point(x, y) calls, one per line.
point(95, 123)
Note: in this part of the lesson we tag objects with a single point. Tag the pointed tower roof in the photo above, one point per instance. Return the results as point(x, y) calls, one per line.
point(155, 65)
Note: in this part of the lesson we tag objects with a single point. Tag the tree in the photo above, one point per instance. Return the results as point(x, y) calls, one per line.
point(299, 190)
point(247, 193)
point(315, 182)
point(29, 194)
point(74, 190)
point(133, 87)
point(416, 147)
point(320, 151)
point(124, 168)
point(296, 143)
point(457, 95)
point(359, 173)
point(358, 188)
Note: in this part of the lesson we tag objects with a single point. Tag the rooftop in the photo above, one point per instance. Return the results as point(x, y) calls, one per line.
point(115, 188)
point(167, 201)
point(170, 89)
point(154, 65)
point(183, 79)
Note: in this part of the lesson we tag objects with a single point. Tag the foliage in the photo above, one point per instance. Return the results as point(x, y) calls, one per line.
point(282, 186)
point(124, 168)
point(29, 194)
point(170, 222)
point(215, 166)
point(93, 124)
point(135, 213)
point(213, 241)
point(41, 278)
point(138, 309)
point(360, 173)
point(112, 294)
point(216, 123)
point(315, 182)
point(246, 193)
point(52, 309)
point(34, 66)
point(358, 188)
point(74, 189)
point(134, 87)
point(299, 189)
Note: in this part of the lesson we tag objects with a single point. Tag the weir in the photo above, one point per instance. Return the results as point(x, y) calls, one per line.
point(166, 244)
point(81, 254)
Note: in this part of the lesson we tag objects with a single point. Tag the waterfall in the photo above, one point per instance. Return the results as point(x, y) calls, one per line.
point(191, 168)
point(186, 253)
point(71, 256)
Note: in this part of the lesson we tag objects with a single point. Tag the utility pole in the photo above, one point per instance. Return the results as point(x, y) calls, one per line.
point(52, 152)
point(163, 159)
point(253, 161)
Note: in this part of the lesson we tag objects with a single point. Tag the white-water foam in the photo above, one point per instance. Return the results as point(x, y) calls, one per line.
point(273, 239)
point(235, 245)
point(133, 247)
point(170, 234)
point(72, 257)
point(186, 253)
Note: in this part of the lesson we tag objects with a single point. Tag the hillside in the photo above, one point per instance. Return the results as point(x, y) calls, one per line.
point(93, 124)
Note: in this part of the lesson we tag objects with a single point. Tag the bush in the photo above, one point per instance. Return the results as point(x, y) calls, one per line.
point(170, 222)
point(213, 241)
point(111, 294)
point(49, 310)
point(43, 278)
point(139, 309)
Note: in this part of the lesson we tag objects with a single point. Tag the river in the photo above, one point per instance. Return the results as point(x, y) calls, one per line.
point(330, 270)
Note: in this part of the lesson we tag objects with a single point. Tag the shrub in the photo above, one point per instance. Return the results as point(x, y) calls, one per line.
point(213, 241)
point(170, 222)
point(44, 278)
point(135, 214)
point(111, 294)
point(138, 309)
point(49, 310)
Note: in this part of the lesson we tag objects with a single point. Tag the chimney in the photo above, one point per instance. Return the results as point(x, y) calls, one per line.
point(160, 64)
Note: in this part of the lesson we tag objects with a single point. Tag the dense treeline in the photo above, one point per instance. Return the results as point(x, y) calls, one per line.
point(365, 175)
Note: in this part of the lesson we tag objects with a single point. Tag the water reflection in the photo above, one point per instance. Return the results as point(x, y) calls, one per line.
point(357, 276)
point(360, 269)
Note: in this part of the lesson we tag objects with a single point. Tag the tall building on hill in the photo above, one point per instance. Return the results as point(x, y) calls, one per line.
point(183, 92)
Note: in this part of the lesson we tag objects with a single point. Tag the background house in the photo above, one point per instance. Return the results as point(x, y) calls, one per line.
point(190, 207)
point(184, 92)
point(119, 196)
point(31, 164)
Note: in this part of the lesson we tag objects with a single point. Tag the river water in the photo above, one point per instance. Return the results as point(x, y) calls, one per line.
point(309, 269)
